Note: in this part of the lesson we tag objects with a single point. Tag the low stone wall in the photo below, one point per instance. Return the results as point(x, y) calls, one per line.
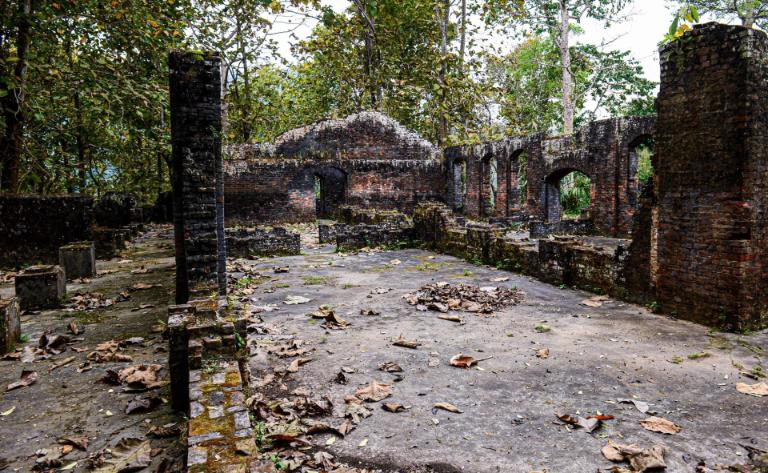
point(354, 215)
point(568, 260)
point(115, 209)
point(539, 229)
point(34, 227)
point(247, 242)
point(209, 378)
point(355, 237)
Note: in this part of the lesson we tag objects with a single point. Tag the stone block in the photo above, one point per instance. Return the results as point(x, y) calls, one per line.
point(10, 325)
point(41, 287)
point(109, 242)
point(78, 260)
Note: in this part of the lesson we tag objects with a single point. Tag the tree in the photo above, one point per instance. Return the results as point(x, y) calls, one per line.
point(605, 83)
point(556, 18)
point(751, 13)
point(15, 38)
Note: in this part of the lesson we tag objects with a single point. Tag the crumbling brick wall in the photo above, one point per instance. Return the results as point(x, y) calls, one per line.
point(33, 227)
point(374, 162)
point(196, 121)
point(712, 176)
point(601, 150)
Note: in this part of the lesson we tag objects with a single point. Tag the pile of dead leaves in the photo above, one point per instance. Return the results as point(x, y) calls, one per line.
point(640, 459)
point(87, 301)
point(443, 297)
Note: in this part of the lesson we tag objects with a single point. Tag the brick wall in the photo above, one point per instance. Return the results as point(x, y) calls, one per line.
point(32, 228)
point(712, 174)
point(601, 150)
point(283, 190)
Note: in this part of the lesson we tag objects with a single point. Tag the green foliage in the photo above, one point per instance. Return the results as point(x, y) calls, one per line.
point(749, 13)
point(644, 165)
point(605, 83)
point(574, 194)
point(682, 20)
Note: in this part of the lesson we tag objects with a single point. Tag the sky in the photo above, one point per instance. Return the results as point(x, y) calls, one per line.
point(647, 21)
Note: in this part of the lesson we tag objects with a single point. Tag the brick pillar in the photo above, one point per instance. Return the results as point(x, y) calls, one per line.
point(196, 127)
point(712, 176)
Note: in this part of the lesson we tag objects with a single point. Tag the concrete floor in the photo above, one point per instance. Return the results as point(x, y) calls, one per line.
point(65, 402)
point(508, 424)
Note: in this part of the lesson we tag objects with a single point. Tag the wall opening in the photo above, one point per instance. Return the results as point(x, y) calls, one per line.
point(517, 182)
point(493, 186)
point(459, 184)
point(330, 189)
point(568, 194)
point(640, 170)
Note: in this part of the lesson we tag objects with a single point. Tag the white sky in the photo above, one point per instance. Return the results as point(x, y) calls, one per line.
point(646, 24)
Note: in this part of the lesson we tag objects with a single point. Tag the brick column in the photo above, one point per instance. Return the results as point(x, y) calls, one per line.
point(712, 176)
point(196, 127)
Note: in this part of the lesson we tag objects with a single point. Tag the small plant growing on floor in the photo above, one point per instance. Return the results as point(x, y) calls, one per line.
point(698, 356)
point(467, 273)
point(24, 338)
point(244, 282)
point(563, 286)
point(239, 342)
point(676, 360)
point(542, 328)
point(281, 286)
point(313, 280)
point(653, 307)
point(347, 286)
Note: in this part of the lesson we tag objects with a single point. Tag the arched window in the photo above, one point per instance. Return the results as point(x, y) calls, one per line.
point(459, 184)
point(567, 194)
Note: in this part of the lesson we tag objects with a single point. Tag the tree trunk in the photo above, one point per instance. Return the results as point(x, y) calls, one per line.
point(463, 31)
point(442, 133)
point(82, 151)
point(245, 129)
point(565, 56)
point(12, 141)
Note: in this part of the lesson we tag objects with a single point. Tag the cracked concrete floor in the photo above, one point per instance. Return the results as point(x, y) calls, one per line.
point(508, 424)
point(65, 402)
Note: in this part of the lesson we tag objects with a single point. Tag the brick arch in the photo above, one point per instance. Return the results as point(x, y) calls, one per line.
point(550, 198)
point(457, 179)
point(512, 180)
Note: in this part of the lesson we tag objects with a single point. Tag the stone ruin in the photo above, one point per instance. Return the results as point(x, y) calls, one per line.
point(693, 242)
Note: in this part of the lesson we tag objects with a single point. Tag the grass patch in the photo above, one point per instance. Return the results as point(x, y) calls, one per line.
point(676, 360)
point(429, 267)
point(699, 356)
point(348, 286)
point(281, 285)
point(314, 280)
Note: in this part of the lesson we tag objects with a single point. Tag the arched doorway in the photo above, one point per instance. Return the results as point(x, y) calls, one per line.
point(640, 166)
point(330, 185)
point(490, 185)
point(458, 184)
point(517, 181)
point(568, 194)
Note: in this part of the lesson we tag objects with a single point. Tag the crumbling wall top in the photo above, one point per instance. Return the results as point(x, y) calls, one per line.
point(364, 135)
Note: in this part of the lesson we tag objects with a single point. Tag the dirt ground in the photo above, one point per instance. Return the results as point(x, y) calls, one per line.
point(597, 355)
point(67, 403)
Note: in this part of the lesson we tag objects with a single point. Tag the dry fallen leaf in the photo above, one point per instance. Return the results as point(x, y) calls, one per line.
point(640, 459)
point(140, 376)
point(758, 390)
point(462, 361)
point(542, 353)
point(661, 425)
point(402, 342)
point(393, 407)
point(28, 378)
point(374, 392)
point(587, 424)
point(390, 367)
point(130, 454)
point(447, 406)
point(451, 318)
